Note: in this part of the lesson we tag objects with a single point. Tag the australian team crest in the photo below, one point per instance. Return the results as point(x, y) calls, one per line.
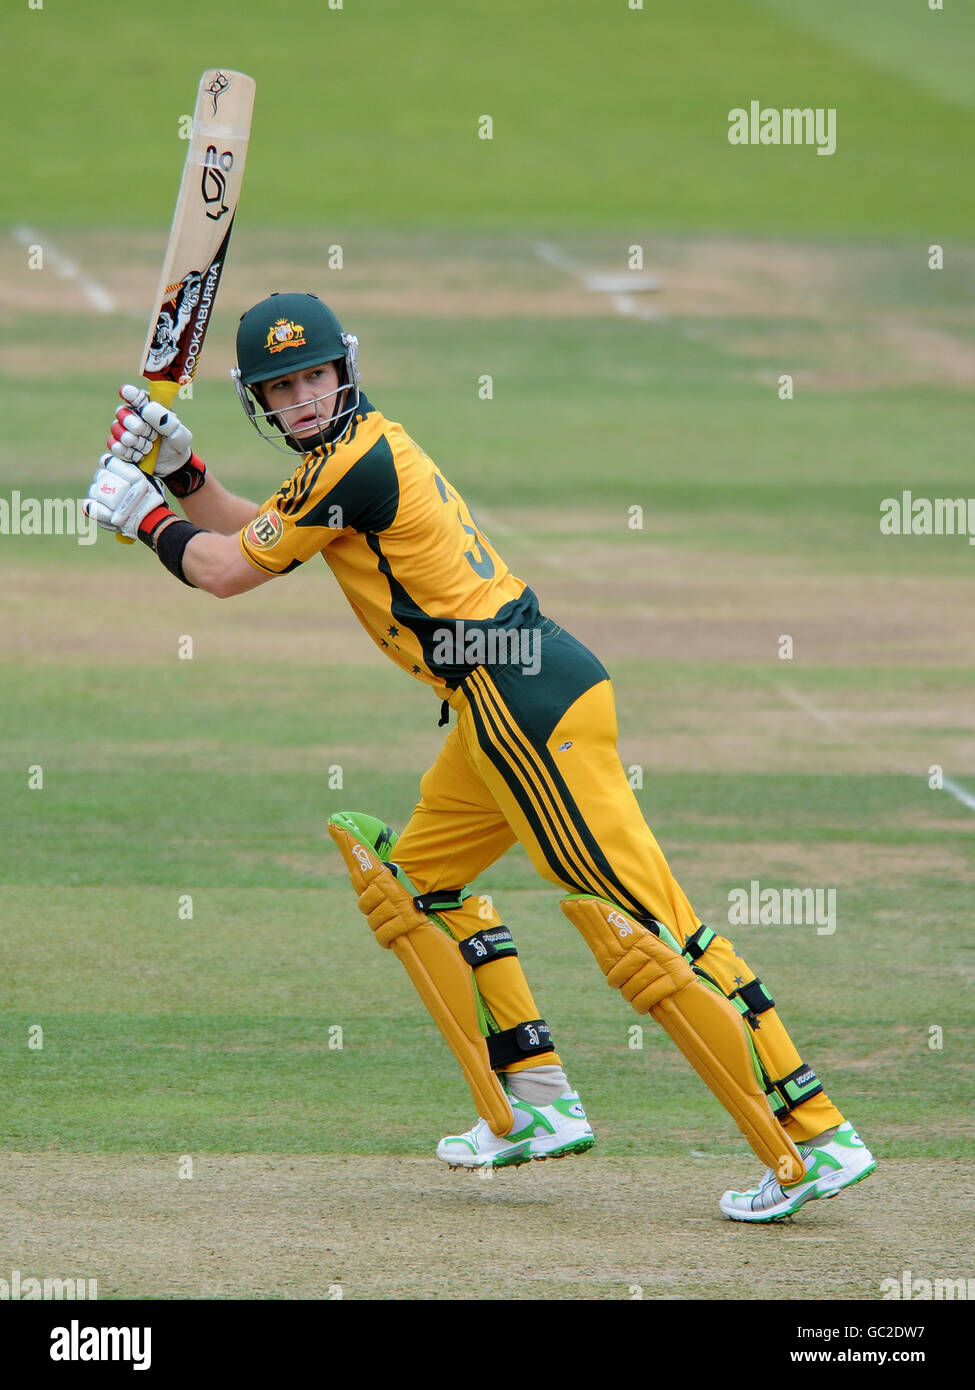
point(284, 333)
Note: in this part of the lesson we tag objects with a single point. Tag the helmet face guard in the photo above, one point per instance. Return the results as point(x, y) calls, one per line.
point(269, 424)
point(286, 335)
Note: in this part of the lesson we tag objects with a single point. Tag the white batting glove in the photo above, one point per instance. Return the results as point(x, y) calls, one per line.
point(137, 426)
point(122, 496)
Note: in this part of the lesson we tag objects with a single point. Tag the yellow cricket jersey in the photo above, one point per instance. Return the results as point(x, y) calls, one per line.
point(421, 577)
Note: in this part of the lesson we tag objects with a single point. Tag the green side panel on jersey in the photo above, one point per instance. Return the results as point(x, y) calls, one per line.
point(366, 498)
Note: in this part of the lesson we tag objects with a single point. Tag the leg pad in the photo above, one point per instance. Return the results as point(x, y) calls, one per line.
point(706, 1027)
point(432, 961)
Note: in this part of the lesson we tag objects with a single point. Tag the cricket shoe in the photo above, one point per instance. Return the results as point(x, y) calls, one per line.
point(540, 1131)
point(831, 1166)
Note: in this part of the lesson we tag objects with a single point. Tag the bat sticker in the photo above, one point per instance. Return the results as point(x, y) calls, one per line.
point(174, 315)
point(217, 88)
point(213, 185)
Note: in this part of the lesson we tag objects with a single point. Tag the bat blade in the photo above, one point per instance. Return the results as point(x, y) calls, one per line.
point(202, 223)
point(205, 210)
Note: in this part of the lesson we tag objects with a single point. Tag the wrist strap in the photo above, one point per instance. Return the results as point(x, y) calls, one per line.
point(188, 479)
point(170, 543)
point(151, 522)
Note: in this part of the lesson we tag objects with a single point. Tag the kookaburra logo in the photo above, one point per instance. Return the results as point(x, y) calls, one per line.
point(623, 927)
point(532, 1034)
point(213, 185)
point(364, 861)
point(479, 948)
point(217, 88)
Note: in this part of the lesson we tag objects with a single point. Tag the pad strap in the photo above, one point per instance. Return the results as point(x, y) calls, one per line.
point(485, 946)
point(755, 998)
point(696, 945)
point(515, 1044)
point(800, 1085)
point(441, 899)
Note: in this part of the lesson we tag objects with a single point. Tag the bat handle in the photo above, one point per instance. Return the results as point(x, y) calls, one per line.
point(165, 392)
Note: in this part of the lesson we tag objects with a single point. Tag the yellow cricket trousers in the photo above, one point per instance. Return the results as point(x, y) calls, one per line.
point(533, 758)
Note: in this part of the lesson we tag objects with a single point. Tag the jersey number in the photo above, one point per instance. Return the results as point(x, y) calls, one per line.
point(477, 557)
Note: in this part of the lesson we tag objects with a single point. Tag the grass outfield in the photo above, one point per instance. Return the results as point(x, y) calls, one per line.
point(211, 1034)
point(603, 115)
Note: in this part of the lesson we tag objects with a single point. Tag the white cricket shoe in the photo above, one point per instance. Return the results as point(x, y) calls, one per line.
point(540, 1131)
point(830, 1167)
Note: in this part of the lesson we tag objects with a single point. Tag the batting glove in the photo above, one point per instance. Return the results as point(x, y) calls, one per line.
point(135, 429)
point(122, 498)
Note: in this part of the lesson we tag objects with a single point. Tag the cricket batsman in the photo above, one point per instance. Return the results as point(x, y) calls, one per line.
point(531, 757)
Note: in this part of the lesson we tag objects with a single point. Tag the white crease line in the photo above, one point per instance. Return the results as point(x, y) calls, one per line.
point(631, 308)
point(959, 793)
point(621, 286)
point(807, 705)
point(95, 293)
point(547, 252)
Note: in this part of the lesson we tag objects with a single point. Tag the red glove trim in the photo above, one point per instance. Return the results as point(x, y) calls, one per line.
point(152, 521)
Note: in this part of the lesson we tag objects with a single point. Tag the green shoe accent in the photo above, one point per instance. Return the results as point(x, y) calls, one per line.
point(578, 1146)
point(513, 1157)
point(536, 1120)
point(565, 1105)
point(845, 1136)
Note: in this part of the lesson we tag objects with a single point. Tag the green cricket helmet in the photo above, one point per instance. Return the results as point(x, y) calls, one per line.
point(288, 333)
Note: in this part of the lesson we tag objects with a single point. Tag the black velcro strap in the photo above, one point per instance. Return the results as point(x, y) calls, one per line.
point(515, 1044)
point(188, 479)
point(800, 1085)
point(441, 900)
point(696, 945)
point(487, 945)
point(169, 544)
point(755, 997)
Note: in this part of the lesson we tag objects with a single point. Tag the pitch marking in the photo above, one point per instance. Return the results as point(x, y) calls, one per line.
point(95, 293)
point(622, 287)
point(804, 703)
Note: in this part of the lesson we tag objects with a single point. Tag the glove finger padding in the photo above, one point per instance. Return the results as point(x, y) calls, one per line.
point(137, 425)
point(131, 438)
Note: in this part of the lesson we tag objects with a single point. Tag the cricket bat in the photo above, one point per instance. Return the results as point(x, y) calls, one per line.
point(199, 237)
